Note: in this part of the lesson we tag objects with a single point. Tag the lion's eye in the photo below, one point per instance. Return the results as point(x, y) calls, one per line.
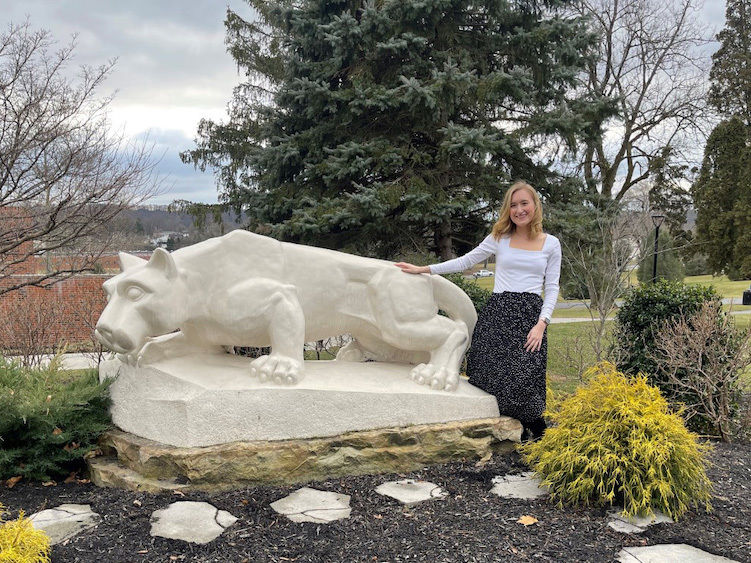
point(134, 293)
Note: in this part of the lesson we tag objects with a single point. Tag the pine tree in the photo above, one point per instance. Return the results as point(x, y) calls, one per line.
point(731, 63)
point(722, 192)
point(722, 196)
point(368, 124)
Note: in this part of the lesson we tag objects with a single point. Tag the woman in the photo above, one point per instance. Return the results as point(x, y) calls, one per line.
point(508, 355)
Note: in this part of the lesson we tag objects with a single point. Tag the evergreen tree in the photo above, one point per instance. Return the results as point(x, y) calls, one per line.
point(669, 195)
point(722, 196)
point(722, 192)
point(365, 124)
point(731, 63)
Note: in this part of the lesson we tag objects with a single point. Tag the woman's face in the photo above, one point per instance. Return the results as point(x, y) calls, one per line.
point(522, 208)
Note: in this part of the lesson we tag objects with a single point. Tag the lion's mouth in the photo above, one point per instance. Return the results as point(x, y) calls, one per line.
point(118, 343)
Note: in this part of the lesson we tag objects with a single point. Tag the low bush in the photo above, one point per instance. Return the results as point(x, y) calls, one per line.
point(616, 442)
point(20, 542)
point(49, 419)
point(477, 294)
point(701, 360)
point(644, 310)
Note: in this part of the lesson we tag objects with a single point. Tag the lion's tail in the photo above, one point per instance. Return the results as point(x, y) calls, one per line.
point(455, 302)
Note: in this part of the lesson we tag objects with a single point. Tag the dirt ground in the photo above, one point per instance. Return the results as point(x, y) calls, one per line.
point(470, 524)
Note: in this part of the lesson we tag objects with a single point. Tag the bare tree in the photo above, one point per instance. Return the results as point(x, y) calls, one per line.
point(704, 359)
point(63, 174)
point(650, 62)
point(29, 327)
point(603, 262)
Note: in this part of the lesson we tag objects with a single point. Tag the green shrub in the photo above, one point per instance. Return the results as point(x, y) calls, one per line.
point(477, 294)
point(702, 359)
point(669, 265)
point(615, 442)
point(644, 310)
point(49, 419)
point(20, 542)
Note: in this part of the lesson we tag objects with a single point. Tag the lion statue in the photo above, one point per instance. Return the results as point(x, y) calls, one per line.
point(244, 289)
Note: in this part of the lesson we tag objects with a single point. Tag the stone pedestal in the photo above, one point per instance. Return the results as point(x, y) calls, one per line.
point(203, 422)
point(144, 465)
point(204, 400)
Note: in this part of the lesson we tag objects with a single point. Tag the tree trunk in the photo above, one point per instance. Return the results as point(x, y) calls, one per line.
point(444, 240)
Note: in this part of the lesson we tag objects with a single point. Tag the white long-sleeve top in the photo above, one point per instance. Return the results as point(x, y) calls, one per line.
point(516, 269)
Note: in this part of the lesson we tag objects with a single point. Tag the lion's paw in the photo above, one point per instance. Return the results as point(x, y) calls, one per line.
point(437, 377)
point(350, 352)
point(277, 369)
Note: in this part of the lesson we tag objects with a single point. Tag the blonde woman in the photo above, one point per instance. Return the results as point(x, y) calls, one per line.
point(508, 355)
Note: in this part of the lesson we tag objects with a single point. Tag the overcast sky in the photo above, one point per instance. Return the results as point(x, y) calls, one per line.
point(172, 67)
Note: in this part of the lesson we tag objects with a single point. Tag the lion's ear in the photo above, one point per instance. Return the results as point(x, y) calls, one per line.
point(128, 261)
point(162, 260)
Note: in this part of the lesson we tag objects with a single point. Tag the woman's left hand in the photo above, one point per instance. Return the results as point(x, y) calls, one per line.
point(534, 338)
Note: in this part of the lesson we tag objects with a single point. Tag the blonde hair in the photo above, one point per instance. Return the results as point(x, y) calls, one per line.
point(505, 225)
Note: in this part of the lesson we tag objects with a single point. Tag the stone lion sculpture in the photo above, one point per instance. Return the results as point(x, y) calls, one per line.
point(245, 289)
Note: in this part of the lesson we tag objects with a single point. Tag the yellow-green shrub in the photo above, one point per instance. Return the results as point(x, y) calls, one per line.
point(21, 543)
point(615, 441)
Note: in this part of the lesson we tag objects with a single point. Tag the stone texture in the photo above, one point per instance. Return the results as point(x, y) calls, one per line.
point(624, 527)
point(636, 524)
point(231, 466)
point(65, 521)
point(195, 522)
point(108, 472)
point(409, 491)
point(667, 553)
point(524, 486)
point(210, 399)
point(312, 505)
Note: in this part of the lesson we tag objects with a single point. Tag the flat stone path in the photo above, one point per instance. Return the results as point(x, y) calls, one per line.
point(409, 491)
point(201, 522)
point(196, 522)
point(665, 553)
point(636, 524)
point(524, 486)
point(65, 521)
point(312, 505)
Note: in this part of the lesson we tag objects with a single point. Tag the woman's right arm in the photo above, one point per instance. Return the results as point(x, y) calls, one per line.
point(486, 248)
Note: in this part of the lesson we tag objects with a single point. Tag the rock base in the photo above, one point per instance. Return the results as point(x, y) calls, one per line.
point(140, 464)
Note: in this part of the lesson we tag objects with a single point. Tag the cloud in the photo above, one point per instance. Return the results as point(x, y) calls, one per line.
point(181, 181)
point(172, 68)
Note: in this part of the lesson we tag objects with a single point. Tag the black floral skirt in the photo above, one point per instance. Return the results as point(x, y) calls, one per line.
point(497, 362)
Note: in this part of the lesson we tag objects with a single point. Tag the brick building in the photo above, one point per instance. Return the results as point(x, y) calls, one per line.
point(65, 312)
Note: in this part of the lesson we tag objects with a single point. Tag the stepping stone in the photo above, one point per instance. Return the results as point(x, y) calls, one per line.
point(312, 505)
point(65, 521)
point(195, 522)
point(409, 491)
point(669, 552)
point(635, 524)
point(525, 486)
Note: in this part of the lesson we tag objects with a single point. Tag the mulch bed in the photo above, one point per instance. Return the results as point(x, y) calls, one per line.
point(471, 524)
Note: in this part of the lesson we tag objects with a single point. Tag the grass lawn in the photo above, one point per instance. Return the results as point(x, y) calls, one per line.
point(577, 313)
point(722, 284)
point(569, 349)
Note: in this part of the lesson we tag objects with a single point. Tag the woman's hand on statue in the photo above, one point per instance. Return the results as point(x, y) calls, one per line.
point(534, 338)
point(412, 269)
